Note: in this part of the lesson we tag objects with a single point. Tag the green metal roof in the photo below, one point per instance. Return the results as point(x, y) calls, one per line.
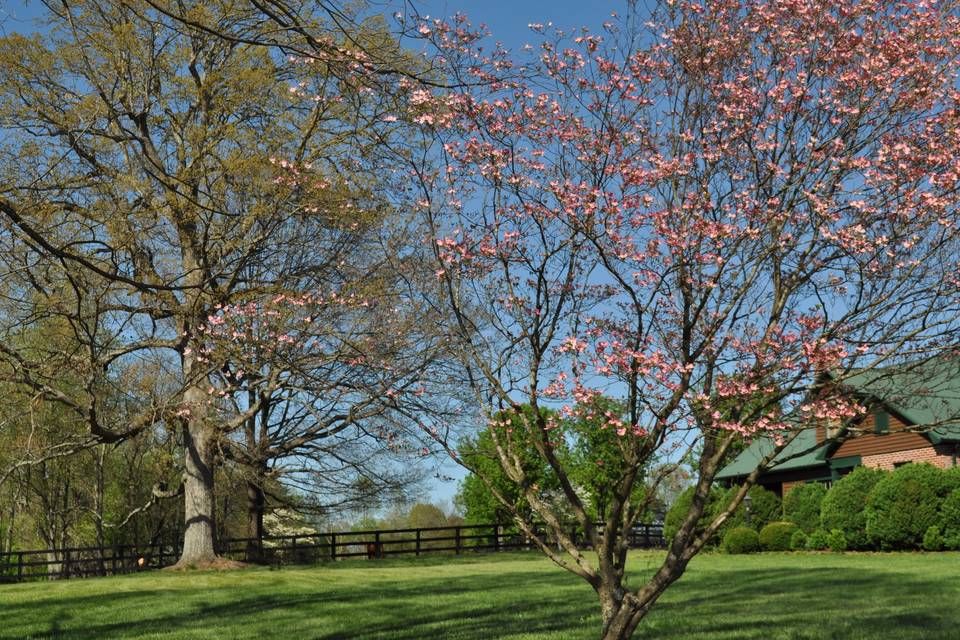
point(801, 453)
point(925, 393)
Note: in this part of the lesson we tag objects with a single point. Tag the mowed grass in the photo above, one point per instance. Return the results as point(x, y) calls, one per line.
point(519, 596)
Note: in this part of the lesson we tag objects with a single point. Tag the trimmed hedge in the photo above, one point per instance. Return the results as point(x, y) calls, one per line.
point(776, 536)
point(765, 507)
point(818, 540)
point(948, 520)
point(681, 507)
point(844, 504)
point(801, 505)
point(741, 540)
point(798, 541)
point(837, 541)
point(933, 539)
point(904, 504)
point(916, 506)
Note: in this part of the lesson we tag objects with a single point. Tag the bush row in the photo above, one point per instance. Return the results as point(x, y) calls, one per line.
point(916, 506)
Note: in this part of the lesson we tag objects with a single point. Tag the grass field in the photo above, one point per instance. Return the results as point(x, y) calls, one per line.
point(516, 596)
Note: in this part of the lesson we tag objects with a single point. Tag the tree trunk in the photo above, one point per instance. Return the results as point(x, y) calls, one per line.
point(623, 611)
point(198, 546)
point(256, 505)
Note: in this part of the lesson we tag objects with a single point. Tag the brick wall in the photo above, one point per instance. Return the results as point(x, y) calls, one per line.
point(790, 485)
point(937, 456)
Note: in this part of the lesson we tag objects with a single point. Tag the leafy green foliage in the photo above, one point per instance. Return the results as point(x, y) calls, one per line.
point(904, 504)
point(478, 503)
point(681, 507)
point(741, 540)
point(426, 515)
point(776, 536)
point(592, 454)
point(798, 541)
point(949, 520)
point(818, 540)
point(765, 507)
point(598, 456)
point(843, 505)
point(836, 541)
point(801, 505)
point(933, 539)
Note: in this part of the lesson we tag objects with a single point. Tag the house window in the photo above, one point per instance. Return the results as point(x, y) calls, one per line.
point(832, 429)
point(881, 421)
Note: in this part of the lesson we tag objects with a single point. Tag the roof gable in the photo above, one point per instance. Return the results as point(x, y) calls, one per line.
point(924, 393)
point(802, 453)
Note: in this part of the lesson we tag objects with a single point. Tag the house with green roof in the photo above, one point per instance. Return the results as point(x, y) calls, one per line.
point(914, 416)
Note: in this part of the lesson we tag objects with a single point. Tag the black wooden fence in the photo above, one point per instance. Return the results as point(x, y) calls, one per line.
point(80, 562)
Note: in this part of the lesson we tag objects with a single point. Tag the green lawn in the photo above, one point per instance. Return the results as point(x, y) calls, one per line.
point(516, 596)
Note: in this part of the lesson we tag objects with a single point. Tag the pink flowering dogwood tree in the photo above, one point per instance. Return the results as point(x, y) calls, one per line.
point(710, 206)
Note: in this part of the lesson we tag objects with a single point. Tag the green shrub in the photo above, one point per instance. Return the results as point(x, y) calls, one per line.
point(818, 540)
point(776, 536)
point(741, 540)
point(836, 541)
point(801, 505)
point(904, 504)
point(798, 541)
point(951, 478)
point(681, 507)
point(765, 507)
point(843, 505)
point(948, 520)
point(933, 539)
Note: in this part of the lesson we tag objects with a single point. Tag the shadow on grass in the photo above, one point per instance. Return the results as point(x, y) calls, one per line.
point(796, 603)
point(814, 603)
point(480, 606)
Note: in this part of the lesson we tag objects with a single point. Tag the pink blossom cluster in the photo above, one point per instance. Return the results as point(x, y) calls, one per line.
point(730, 211)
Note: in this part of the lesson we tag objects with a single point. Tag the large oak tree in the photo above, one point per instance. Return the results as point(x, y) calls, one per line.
point(153, 174)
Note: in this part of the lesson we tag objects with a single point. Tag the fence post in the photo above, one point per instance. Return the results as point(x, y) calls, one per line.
point(418, 541)
point(377, 549)
point(20, 566)
point(457, 536)
point(496, 537)
point(333, 547)
point(65, 570)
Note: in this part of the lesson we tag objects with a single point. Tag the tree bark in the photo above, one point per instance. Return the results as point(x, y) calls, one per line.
point(198, 536)
point(256, 504)
point(622, 624)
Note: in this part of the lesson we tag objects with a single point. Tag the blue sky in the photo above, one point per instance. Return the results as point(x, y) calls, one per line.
point(506, 19)
point(507, 22)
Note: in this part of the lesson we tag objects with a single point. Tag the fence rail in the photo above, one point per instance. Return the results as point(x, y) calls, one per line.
point(81, 562)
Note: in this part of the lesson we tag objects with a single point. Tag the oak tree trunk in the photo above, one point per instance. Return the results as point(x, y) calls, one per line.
point(198, 536)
